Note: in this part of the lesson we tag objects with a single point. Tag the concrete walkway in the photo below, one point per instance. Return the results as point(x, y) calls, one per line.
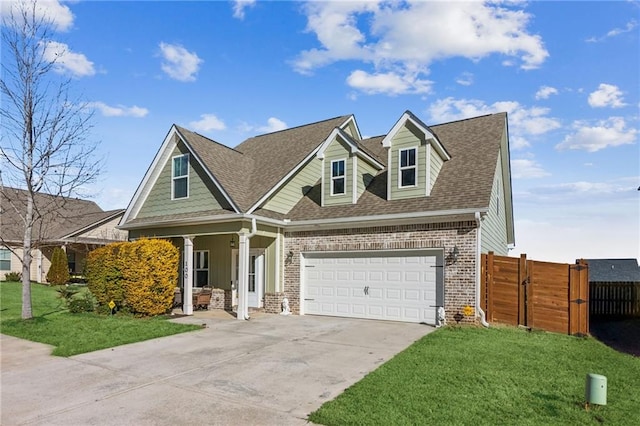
point(271, 370)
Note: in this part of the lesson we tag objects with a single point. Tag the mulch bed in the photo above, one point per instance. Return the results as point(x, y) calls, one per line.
point(622, 335)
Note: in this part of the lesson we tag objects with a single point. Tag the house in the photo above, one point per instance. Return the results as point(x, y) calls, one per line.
point(614, 287)
point(78, 226)
point(388, 227)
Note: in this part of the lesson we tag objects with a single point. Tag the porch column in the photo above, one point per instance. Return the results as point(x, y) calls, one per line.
point(187, 272)
point(243, 277)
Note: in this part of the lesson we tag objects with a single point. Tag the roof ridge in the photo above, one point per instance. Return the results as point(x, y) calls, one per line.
point(467, 119)
point(297, 127)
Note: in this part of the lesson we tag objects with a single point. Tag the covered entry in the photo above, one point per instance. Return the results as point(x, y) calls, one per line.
point(387, 285)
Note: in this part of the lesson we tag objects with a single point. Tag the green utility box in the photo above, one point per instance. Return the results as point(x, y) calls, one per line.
point(596, 390)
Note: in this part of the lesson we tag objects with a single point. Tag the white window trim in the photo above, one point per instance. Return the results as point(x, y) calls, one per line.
point(173, 177)
point(4, 250)
point(414, 167)
point(344, 176)
point(196, 253)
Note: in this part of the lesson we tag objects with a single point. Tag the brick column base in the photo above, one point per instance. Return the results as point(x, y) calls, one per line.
point(273, 302)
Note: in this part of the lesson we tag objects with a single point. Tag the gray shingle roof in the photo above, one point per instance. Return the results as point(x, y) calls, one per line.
point(251, 169)
point(60, 216)
point(614, 270)
point(464, 182)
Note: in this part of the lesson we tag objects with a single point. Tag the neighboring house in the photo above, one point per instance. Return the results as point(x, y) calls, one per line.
point(78, 226)
point(603, 271)
point(614, 288)
point(389, 227)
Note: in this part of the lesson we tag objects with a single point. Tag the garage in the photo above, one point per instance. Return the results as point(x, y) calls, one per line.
point(386, 285)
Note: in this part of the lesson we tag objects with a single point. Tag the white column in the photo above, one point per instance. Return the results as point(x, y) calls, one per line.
point(187, 276)
point(243, 277)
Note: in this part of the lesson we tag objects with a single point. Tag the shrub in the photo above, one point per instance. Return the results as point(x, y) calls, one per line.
point(139, 276)
point(104, 274)
point(59, 271)
point(82, 304)
point(149, 276)
point(13, 276)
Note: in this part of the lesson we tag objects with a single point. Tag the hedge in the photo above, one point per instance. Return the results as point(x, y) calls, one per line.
point(139, 276)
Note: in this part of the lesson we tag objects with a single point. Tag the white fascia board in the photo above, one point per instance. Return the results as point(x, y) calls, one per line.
point(209, 174)
point(386, 142)
point(384, 220)
point(204, 220)
point(506, 184)
point(352, 119)
point(150, 177)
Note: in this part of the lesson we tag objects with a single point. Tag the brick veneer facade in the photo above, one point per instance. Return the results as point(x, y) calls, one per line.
point(459, 276)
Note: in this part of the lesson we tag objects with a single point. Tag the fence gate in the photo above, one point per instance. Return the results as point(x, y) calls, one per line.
point(545, 295)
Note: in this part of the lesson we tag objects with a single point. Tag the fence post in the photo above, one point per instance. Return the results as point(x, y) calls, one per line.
point(523, 280)
point(529, 292)
point(578, 298)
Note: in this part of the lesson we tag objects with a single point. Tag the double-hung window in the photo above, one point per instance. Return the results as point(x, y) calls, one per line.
point(5, 260)
point(180, 177)
point(337, 177)
point(408, 167)
point(201, 265)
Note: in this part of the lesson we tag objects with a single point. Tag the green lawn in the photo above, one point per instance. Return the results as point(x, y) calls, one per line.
point(73, 334)
point(464, 376)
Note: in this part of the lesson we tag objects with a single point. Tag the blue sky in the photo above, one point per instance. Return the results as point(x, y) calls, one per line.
point(567, 73)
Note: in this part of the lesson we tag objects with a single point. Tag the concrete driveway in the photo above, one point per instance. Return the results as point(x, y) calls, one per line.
point(271, 370)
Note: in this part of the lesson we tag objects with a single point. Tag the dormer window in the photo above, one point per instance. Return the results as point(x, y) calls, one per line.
point(337, 177)
point(180, 177)
point(408, 169)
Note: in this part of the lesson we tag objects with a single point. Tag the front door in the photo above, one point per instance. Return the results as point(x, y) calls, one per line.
point(256, 275)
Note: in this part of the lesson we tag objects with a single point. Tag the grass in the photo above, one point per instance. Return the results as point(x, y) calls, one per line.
point(73, 334)
point(462, 376)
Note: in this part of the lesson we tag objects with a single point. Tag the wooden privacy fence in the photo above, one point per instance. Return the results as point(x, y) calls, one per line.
point(544, 295)
point(615, 299)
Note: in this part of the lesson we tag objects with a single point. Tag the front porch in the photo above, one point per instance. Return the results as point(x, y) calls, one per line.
point(238, 263)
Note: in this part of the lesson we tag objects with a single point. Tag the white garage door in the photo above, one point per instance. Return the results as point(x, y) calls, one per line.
point(396, 286)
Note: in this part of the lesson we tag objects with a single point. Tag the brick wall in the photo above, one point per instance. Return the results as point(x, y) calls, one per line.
point(273, 302)
point(459, 276)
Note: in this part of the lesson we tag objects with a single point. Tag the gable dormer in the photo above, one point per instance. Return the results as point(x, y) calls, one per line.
point(414, 158)
point(346, 170)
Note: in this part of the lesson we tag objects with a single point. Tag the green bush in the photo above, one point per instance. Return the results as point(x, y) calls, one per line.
point(104, 275)
point(138, 276)
point(13, 276)
point(82, 304)
point(59, 271)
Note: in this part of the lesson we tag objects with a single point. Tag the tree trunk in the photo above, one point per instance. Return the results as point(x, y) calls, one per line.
point(27, 311)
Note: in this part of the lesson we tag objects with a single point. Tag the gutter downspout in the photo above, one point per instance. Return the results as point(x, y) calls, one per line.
point(479, 310)
point(243, 293)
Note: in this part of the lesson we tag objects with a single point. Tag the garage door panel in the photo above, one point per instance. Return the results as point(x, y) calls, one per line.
point(400, 287)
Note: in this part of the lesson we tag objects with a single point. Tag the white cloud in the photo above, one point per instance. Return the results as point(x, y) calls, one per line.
point(607, 95)
point(52, 11)
point(610, 132)
point(389, 83)
point(523, 122)
point(67, 61)
point(407, 37)
point(119, 110)
point(207, 123)
point(273, 125)
point(465, 79)
point(239, 7)
point(630, 26)
point(527, 169)
point(178, 63)
point(545, 91)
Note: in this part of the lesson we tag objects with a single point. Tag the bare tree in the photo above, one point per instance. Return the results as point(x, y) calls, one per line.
point(45, 146)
